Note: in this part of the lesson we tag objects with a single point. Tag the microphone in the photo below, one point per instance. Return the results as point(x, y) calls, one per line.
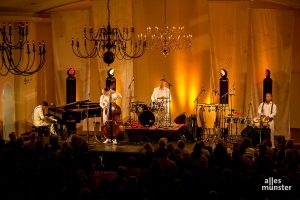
point(233, 89)
point(131, 82)
point(203, 90)
point(215, 91)
point(168, 83)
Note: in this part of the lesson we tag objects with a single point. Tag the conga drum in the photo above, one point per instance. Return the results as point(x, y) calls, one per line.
point(208, 115)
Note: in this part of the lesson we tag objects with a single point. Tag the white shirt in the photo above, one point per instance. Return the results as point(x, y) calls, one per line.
point(158, 92)
point(265, 109)
point(104, 100)
point(38, 116)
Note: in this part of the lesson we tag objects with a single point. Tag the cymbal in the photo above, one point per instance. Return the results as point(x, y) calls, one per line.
point(136, 102)
point(231, 115)
point(163, 98)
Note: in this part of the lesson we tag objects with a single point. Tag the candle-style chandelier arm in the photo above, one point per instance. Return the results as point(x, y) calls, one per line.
point(87, 53)
point(18, 56)
point(135, 49)
point(29, 68)
point(125, 35)
point(7, 35)
point(109, 42)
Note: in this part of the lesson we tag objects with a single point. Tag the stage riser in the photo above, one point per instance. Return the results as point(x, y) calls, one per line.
point(153, 135)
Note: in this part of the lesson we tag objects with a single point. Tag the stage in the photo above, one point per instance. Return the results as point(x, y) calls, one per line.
point(154, 133)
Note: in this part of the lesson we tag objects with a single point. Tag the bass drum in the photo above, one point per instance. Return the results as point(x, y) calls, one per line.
point(147, 118)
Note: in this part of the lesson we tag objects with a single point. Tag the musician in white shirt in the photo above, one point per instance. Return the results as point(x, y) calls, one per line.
point(161, 92)
point(39, 119)
point(104, 104)
point(161, 97)
point(267, 111)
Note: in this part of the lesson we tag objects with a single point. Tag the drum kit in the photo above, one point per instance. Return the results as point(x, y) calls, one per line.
point(156, 113)
point(217, 120)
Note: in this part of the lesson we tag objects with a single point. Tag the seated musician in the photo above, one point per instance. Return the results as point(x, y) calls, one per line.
point(40, 120)
point(104, 104)
point(161, 95)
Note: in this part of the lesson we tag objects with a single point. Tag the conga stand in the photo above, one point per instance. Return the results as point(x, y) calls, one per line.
point(231, 118)
point(223, 132)
point(194, 130)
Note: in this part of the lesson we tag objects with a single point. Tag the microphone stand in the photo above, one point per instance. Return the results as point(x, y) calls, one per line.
point(223, 115)
point(196, 108)
point(130, 98)
point(169, 105)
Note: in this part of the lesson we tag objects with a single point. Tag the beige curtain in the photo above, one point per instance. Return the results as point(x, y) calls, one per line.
point(245, 41)
point(90, 73)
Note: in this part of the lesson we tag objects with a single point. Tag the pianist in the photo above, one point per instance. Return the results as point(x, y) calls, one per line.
point(104, 104)
point(39, 119)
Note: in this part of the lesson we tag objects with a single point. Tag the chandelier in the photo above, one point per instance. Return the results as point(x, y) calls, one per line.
point(167, 38)
point(19, 57)
point(110, 42)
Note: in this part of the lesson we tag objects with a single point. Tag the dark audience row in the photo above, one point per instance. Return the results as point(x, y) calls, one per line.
point(67, 170)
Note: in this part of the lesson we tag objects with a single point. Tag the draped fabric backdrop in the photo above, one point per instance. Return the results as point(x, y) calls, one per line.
point(246, 41)
point(243, 37)
point(90, 73)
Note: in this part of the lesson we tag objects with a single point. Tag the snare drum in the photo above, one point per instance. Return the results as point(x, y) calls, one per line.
point(157, 106)
point(138, 107)
point(207, 114)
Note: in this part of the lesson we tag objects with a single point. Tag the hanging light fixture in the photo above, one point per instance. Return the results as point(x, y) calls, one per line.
point(110, 42)
point(19, 57)
point(166, 38)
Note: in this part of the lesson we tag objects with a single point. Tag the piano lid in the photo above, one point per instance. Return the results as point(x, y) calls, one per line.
point(81, 104)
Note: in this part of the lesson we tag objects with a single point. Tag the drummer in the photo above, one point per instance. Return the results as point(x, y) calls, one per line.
point(161, 94)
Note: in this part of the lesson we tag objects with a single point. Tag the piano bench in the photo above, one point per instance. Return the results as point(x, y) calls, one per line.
point(41, 131)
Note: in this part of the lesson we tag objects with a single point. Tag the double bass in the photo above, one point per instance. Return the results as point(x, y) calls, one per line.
point(113, 128)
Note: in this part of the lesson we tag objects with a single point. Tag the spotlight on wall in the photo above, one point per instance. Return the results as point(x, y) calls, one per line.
point(223, 73)
point(71, 72)
point(111, 72)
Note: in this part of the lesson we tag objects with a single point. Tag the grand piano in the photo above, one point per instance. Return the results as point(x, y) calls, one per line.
point(73, 113)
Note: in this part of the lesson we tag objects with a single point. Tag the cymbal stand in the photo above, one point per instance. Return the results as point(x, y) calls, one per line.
point(169, 106)
point(130, 99)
